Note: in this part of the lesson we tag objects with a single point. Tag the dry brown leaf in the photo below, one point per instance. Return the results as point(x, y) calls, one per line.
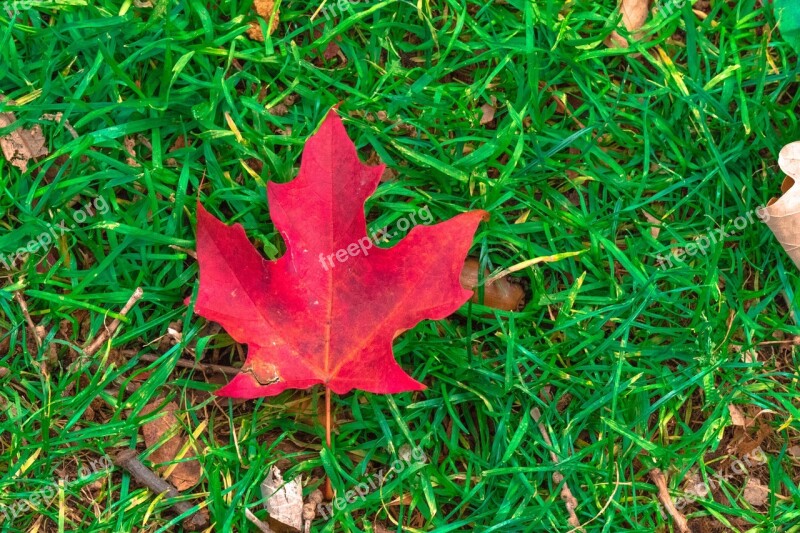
point(21, 145)
point(332, 49)
point(737, 416)
point(130, 144)
point(283, 501)
point(179, 143)
point(755, 493)
point(186, 474)
point(655, 229)
point(264, 8)
point(499, 294)
point(488, 111)
point(634, 15)
point(783, 214)
point(377, 527)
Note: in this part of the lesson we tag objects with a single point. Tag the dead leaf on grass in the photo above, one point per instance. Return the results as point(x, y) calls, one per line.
point(378, 527)
point(755, 493)
point(21, 145)
point(500, 294)
point(185, 474)
point(655, 229)
point(737, 417)
point(634, 15)
point(332, 49)
point(283, 501)
point(783, 214)
point(488, 111)
point(265, 9)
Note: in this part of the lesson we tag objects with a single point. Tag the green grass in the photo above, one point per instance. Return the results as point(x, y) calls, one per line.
point(632, 366)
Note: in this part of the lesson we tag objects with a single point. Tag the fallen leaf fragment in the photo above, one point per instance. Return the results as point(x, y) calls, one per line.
point(21, 145)
point(488, 111)
point(655, 228)
point(130, 144)
point(310, 509)
point(634, 15)
point(378, 527)
point(332, 49)
point(782, 215)
point(327, 311)
point(737, 417)
point(755, 493)
point(283, 501)
point(501, 294)
point(185, 474)
point(265, 9)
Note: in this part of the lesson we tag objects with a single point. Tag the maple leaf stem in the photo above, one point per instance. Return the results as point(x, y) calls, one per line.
point(327, 489)
point(328, 417)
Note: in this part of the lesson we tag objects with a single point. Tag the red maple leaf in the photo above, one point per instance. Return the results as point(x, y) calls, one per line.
point(328, 310)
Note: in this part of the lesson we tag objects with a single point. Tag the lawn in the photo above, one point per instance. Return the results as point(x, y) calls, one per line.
point(628, 357)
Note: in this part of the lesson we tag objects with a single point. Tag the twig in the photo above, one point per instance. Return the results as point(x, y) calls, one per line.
point(262, 526)
point(663, 495)
point(190, 253)
point(202, 367)
point(569, 500)
point(103, 336)
point(129, 460)
point(91, 348)
point(56, 117)
point(24, 306)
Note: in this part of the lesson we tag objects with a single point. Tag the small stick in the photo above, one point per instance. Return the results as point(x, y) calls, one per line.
point(258, 523)
point(202, 367)
point(56, 117)
point(190, 253)
point(91, 348)
point(129, 460)
point(663, 495)
point(103, 336)
point(24, 306)
point(569, 500)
